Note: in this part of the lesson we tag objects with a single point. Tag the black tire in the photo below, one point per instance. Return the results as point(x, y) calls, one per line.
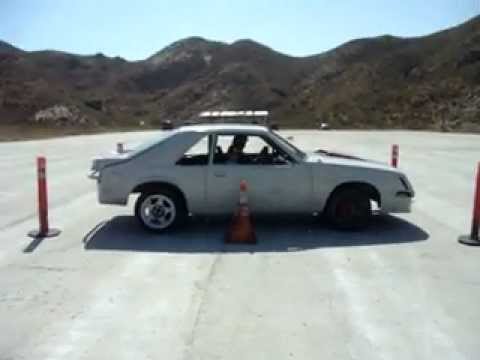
point(180, 209)
point(349, 209)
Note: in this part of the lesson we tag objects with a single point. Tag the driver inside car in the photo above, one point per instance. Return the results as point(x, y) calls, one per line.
point(235, 151)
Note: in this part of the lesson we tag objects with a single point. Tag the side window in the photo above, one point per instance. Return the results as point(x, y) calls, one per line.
point(247, 150)
point(197, 154)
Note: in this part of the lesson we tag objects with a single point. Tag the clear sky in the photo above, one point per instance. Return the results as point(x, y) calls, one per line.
point(135, 29)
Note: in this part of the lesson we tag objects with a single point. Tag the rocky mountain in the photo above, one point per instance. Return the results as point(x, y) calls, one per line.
point(430, 82)
point(6, 48)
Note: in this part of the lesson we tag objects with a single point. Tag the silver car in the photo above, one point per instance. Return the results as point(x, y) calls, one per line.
point(197, 170)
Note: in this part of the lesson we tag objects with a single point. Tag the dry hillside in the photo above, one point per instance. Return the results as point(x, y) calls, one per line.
point(430, 82)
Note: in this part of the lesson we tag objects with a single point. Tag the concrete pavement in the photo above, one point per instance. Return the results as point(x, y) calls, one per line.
point(404, 289)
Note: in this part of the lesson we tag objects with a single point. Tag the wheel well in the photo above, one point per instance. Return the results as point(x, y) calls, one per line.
point(156, 185)
point(371, 190)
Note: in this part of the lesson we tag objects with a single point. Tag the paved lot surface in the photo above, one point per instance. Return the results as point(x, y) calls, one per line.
point(104, 289)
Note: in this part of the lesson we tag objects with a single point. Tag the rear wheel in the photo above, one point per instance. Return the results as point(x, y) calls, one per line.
point(349, 209)
point(160, 210)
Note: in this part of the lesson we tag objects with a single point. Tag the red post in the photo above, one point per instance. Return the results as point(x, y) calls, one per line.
point(394, 155)
point(42, 194)
point(473, 238)
point(44, 230)
point(476, 208)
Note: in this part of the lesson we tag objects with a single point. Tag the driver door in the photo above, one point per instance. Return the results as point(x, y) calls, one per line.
point(275, 182)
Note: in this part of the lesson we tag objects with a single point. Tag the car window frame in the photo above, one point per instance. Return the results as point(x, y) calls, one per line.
point(290, 160)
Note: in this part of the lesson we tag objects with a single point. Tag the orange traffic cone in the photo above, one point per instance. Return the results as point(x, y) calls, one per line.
point(241, 229)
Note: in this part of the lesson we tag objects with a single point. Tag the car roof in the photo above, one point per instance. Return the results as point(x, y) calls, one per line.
point(222, 127)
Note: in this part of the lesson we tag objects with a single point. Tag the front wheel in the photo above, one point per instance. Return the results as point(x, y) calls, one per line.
point(160, 210)
point(349, 209)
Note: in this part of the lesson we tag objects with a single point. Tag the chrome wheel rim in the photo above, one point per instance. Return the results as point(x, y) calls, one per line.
point(158, 211)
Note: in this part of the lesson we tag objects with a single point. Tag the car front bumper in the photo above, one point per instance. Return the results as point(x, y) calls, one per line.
point(401, 202)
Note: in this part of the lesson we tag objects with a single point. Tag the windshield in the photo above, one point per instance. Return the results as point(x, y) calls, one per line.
point(291, 148)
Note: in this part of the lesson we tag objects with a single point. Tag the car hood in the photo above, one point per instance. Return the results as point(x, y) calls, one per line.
point(342, 159)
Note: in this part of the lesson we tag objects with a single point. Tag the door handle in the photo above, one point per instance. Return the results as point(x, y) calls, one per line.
point(219, 174)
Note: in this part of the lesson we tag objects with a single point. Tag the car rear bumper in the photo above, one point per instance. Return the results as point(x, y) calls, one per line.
point(110, 196)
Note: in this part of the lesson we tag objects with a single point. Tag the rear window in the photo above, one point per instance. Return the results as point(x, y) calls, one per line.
point(148, 144)
point(197, 154)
